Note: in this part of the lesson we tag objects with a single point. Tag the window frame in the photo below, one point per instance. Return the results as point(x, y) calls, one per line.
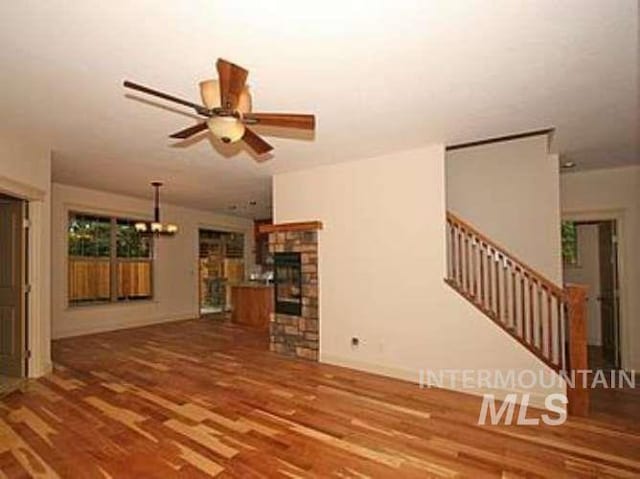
point(113, 260)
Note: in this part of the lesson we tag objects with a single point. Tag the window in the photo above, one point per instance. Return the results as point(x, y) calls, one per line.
point(569, 243)
point(134, 263)
point(108, 260)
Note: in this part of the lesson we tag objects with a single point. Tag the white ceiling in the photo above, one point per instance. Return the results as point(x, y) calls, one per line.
point(379, 75)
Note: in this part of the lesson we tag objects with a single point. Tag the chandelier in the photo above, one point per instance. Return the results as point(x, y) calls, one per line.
point(155, 227)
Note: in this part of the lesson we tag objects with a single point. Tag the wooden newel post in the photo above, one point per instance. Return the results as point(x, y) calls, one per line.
point(578, 396)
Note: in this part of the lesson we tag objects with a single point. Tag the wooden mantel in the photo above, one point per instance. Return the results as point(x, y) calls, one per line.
point(284, 227)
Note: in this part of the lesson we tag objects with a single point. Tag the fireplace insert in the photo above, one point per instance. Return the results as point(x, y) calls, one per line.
point(288, 283)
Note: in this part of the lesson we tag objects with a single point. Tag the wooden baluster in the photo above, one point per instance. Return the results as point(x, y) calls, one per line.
point(514, 300)
point(451, 272)
point(549, 326)
point(540, 316)
point(560, 334)
point(454, 256)
point(457, 249)
point(482, 292)
point(456, 240)
point(563, 336)
point(461, 246)
point(461, 252)
point(456, 252)
point(489, 278)
point(466, 263)
point(505, 282)
point(496, 260)
point(577, 318)
point(523, 306)
point(473, 267)
point(460, 256)
point(532, 339)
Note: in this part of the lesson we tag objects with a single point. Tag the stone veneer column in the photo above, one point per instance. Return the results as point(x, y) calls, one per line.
point(298, 336)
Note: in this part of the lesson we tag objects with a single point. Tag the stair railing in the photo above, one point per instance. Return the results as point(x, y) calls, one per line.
point(524, 303)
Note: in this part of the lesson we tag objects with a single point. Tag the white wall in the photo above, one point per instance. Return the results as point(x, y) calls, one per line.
point(605, 194)
point(25, 172)
point(175, 269)
point(510, 192)
point(381, 269)
point(587, 272)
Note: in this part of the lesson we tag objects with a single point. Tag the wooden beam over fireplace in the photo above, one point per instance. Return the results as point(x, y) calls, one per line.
point(284, 227)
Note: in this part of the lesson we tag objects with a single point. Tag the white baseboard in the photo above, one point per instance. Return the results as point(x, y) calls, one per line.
point(536, 398)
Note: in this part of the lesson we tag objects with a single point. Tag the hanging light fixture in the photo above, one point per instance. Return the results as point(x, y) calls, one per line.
point(155, 227)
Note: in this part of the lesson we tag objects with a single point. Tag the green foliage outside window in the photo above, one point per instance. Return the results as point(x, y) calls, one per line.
point(130, 244)
point(89, 236)
point(569, 243)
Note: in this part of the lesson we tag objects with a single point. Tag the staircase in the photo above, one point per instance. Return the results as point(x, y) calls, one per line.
point(531, 308)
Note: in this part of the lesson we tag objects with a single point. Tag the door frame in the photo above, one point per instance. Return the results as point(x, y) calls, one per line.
point(237, 229)
point(17, 364)
point(200, 230)
point(37, 307)
point(617, 215)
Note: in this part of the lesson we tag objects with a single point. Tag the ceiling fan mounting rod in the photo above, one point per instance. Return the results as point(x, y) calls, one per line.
point(223, 112)
point(156, 200)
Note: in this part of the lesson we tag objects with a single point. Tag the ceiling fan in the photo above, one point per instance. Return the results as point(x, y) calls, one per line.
point(227, 109)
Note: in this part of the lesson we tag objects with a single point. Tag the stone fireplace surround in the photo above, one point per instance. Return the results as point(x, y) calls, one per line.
point(297, 336)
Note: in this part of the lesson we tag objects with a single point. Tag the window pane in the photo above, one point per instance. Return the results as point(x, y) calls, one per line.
point(89, 236)
point(130, 243)
point(89, 240)
point(89, 280)
point(134, 280)
point(134, 271)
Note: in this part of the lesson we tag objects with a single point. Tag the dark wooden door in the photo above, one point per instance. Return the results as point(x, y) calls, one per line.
point(12, 287)
point(608, 292)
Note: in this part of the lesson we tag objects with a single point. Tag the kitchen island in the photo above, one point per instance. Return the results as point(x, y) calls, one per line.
point(252, 304)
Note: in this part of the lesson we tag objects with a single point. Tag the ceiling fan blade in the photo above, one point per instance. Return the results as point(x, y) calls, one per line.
point(201, 110)
point(192, 130)
point(256, 143)
point(232, 79)
point(289, 120)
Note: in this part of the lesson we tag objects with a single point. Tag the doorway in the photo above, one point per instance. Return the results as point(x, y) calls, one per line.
point(590, 250)
point(221, 265)
point(13, 292)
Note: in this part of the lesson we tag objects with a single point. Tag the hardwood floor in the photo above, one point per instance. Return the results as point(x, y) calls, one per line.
point(201, 399)
point(9, 384)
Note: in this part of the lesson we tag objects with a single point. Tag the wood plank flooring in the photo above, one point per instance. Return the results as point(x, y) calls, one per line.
point(204, 399)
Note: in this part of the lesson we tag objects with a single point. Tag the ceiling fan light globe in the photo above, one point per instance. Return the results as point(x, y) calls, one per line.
point(228, 128)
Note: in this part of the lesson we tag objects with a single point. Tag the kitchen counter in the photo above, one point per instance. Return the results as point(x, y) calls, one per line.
point(252, 304)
